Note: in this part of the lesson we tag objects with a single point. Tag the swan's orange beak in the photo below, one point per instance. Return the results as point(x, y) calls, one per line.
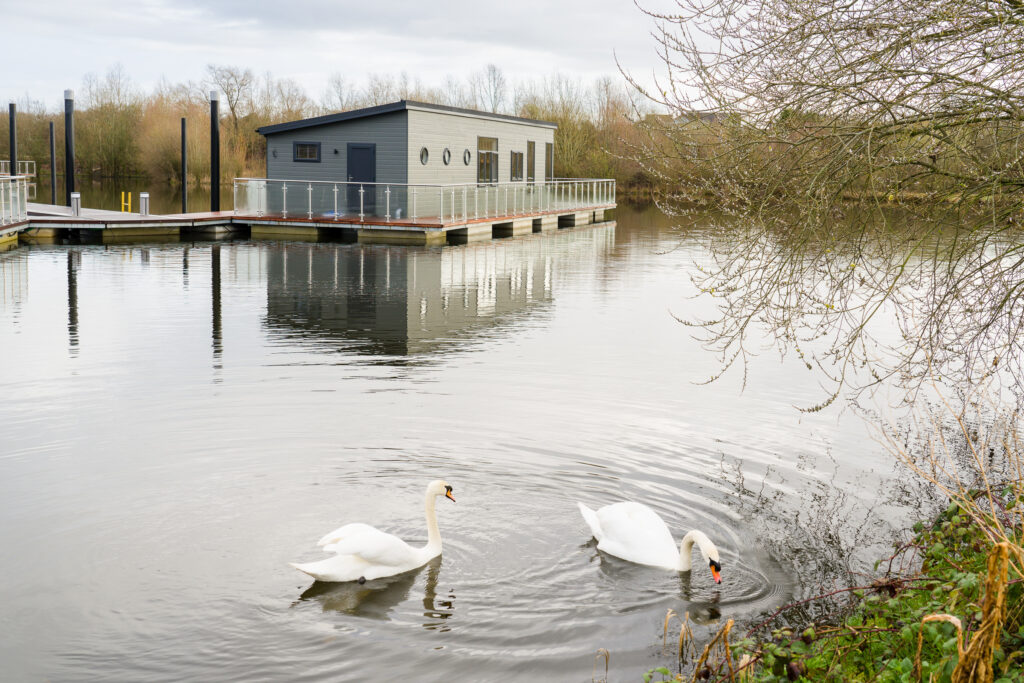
point(448, 493)
point(716, 571)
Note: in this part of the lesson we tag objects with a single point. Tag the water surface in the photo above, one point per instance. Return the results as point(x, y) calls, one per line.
point(182, 420)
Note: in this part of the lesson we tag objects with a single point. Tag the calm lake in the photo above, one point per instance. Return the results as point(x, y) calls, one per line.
point(182, 420)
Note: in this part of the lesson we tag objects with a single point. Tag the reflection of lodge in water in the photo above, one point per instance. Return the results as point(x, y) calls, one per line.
point(396, 300)
point(13, 279)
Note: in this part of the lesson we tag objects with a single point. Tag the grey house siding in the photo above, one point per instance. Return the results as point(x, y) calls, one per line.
point(387, 131)
point(458, 132)
point(398, 136)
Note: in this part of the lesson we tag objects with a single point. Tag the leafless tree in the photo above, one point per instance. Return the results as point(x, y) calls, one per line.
point(108, 124)
point(872, 152)
point(380, 89)
point(123, 131)
point(454, 93)
point(339, 96)
point(237, 85)
point(489, 89)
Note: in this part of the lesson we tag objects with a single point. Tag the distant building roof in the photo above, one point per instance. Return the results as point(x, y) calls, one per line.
point(402, 105)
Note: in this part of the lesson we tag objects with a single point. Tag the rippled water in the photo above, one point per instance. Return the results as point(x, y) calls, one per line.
point(182, 420)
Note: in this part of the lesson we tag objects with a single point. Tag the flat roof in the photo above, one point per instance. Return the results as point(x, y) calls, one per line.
point(402, 105)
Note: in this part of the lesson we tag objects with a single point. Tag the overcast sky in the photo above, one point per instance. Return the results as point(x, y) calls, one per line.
point(58, 42)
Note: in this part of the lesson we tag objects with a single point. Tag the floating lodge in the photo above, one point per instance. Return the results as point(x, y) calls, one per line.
point(406, 173)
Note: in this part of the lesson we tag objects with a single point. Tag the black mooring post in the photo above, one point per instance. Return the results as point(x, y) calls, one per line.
point(13, 110)
point(53, 166)
point(69, 144)
point(184, 168)
point(214, 152)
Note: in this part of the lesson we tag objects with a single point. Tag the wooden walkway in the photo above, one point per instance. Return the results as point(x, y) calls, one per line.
point(50, 221)
point(54, 216)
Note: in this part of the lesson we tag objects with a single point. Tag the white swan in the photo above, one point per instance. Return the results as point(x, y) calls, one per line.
point(636, 533)
point(363, 553)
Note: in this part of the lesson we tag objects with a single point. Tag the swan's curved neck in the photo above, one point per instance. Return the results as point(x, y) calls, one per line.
point(707, 548)
point(433, 532)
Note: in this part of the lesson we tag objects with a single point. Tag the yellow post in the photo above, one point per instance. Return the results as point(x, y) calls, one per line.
point(128, 203)
point(122, 201)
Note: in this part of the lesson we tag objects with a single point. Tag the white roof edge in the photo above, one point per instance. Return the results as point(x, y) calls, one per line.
point(481, 115)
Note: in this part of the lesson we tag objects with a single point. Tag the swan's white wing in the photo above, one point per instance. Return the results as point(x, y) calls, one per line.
point(636, 533)
point(372, 545)
point(343, 532)
point(634, 522)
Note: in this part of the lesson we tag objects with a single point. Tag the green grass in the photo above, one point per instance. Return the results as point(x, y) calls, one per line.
point(875, 638)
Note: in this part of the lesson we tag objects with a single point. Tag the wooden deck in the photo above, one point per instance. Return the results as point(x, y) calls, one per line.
point(47, 221)
point(50, 215)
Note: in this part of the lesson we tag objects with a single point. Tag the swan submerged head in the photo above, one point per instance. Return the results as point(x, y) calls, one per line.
point(708, 551)
point(716, 570)
point(439, 487)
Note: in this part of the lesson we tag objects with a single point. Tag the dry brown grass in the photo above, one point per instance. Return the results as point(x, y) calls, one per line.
point(971, 453)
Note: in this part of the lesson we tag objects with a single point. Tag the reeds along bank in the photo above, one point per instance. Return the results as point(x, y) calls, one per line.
point(122, 131)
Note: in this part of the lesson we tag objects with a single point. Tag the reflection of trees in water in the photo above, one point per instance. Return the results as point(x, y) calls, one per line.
point(879, 185)
point(377, 599)
point(400, 301)
point(820, 532)
point(869, 308)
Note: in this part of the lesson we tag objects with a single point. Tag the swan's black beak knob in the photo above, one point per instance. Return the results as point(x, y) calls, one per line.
point(448, 493)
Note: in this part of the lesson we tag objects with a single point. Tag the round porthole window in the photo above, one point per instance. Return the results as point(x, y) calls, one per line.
point(446, 156)
point(424, 156)
point(466, 156)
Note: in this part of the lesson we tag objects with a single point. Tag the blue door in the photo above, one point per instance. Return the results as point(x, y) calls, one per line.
point(362, 168)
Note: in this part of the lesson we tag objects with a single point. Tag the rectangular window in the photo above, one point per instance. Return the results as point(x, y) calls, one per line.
point(516, 167)
point(531, 165)
point(487, 160)
point(306, 151)
point(549, 160)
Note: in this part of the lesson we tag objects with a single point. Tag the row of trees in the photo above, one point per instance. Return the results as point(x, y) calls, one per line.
point(123, 131)
point(863, 164)
point(874, 153)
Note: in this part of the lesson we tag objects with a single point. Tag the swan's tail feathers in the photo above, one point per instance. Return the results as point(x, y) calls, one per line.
point(590, 517)
point(318, 571)
point(301, 567)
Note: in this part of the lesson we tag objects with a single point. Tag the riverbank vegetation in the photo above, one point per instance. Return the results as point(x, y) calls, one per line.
point(947, 605)
point(122, 130)
point(870, 157)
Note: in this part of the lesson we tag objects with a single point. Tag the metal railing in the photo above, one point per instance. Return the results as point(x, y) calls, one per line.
point(25, 168)
point(13, 199)
point(387, 202)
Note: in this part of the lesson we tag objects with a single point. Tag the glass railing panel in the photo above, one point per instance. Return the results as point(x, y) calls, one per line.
point(382, 202)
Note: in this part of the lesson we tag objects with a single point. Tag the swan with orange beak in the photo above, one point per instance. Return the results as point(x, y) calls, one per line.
point(363, 553)
point(635, 532)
